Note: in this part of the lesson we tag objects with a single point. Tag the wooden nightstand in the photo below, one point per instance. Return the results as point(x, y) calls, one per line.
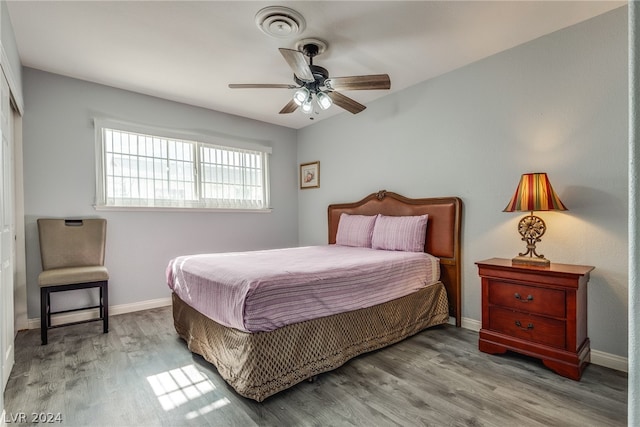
point(537, 311)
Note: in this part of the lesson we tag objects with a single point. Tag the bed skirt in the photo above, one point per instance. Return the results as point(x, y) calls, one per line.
point(258, 365)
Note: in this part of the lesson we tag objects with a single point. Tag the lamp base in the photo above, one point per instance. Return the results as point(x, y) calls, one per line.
point(528, 260)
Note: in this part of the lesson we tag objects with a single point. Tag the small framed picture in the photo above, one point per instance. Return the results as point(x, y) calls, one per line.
point(310, 175)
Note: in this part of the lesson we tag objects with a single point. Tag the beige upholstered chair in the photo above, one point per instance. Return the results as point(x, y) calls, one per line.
point(72, 253)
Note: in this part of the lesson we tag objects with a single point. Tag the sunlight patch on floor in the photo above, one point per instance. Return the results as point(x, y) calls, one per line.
point(178, 386)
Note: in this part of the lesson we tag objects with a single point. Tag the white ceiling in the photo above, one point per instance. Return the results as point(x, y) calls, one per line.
point(189, 51)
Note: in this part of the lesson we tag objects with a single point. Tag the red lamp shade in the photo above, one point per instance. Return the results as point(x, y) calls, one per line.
point(534, 193)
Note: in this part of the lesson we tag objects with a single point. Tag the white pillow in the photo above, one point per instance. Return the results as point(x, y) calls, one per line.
point(355, 230)
point(400, 233)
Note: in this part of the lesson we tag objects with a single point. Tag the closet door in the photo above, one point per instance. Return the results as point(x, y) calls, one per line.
point(7, 233)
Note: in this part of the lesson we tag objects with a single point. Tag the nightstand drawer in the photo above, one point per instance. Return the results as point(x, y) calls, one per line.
point(528, 327)
point(548, 302)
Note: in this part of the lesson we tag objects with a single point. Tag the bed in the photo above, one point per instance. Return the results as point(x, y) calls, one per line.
point(259, 358)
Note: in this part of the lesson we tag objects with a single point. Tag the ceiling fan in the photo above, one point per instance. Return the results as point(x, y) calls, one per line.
point(313, 82)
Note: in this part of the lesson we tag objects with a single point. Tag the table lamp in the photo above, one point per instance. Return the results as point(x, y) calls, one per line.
point(534, 193)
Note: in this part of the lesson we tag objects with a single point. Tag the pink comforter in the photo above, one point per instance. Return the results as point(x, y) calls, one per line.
point(264, 290)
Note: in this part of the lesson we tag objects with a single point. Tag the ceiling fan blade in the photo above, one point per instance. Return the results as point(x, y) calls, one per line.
point(261, 86)
point(345, 102)
point(298, 64)
point(370, 82)
point(289, 108)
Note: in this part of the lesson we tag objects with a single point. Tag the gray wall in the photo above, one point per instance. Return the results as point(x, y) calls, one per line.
point(11, 50)
point(557, 104)
point(59, 171)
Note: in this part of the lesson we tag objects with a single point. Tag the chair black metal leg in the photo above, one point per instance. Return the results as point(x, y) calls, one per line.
point(44, 309)
point(49, 308)
point(46, 312)
point(104, 290)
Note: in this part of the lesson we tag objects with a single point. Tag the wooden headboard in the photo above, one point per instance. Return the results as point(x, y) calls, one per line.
point(443, 232)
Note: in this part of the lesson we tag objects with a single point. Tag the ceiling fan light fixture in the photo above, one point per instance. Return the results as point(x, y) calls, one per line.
point(301, 95)
point(307, 106)
point(324, 101)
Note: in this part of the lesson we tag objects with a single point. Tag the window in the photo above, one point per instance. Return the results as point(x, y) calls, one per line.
point(138, 167)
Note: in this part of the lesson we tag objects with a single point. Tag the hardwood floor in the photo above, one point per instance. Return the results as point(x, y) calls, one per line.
point(142, 374)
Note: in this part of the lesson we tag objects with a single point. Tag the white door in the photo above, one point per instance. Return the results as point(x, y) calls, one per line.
point(7, 233)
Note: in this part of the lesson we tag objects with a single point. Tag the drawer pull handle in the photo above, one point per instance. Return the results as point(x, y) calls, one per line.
point(519, 325)
point(519, 298)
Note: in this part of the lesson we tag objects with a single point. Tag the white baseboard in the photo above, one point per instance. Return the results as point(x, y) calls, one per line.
point(472, 324)
point(139, 306)
point(113, 310)
point(609, 360)
point(601, 358)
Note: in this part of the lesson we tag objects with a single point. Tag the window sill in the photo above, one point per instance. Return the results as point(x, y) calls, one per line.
point(177, 209)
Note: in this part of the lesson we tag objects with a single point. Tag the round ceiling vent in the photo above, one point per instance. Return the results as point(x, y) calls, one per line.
point(280, 22)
